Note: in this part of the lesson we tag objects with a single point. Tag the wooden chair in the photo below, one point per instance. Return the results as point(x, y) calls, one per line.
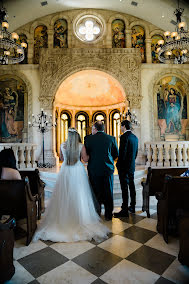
point(37, 187)
point(17, 201)
point(173, 204)
point(154, 183)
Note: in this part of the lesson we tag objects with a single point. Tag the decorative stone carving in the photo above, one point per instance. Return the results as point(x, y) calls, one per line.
point(46, 102)
point(58, 64)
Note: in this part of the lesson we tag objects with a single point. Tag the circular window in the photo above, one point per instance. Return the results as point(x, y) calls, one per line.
point(89, 28)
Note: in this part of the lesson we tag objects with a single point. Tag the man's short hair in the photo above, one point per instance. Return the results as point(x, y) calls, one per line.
point(127, 124)
point(99, 125)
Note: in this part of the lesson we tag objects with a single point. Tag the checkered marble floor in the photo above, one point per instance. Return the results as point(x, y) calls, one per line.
point(134, 253)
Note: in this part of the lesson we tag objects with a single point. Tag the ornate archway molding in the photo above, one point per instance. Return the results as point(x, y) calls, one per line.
point(152, 91)
point(58, 64)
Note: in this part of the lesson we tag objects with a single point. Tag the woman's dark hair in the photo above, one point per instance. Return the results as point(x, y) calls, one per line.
point(99, 125)
point(127, 124)
point(7, 159)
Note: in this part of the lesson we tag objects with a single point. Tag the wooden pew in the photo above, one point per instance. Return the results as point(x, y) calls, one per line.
point(17, 201)
point(173, 204)
point(37, 187)
point(154, 183)
point(183, 255)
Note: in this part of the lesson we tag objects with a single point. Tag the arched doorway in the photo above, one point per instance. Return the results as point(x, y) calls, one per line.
point(88, 95)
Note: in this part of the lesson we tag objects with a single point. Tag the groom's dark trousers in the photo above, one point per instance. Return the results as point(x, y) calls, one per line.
point(102, 150)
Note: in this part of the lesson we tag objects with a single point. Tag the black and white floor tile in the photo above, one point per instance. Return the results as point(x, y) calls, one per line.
point(134, 253)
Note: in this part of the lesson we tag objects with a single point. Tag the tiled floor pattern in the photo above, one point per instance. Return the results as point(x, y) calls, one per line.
point(134, 253)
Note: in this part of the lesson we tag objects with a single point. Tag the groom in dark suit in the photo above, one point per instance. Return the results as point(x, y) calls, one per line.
point(126, 167)
point(102, 150)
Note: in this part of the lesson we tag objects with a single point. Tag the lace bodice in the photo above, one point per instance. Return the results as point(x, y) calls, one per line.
point(63, 149)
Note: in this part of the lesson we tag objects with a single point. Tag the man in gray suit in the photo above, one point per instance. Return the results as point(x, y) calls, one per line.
point(102, 150)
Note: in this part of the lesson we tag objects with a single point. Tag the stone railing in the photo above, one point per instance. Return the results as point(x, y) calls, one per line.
point(24, 154)
point(167, 154)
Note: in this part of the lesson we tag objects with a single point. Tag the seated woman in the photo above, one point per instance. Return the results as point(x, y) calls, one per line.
point(8, 168)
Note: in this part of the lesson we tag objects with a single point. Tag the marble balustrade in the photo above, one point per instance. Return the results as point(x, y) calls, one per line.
point(24, 154)
point(167, 154)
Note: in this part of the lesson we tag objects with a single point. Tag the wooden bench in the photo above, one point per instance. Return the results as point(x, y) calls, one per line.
point(183, 255)
point(37, 187)
point(17, 201)
point(173, 204)
point(154, 183)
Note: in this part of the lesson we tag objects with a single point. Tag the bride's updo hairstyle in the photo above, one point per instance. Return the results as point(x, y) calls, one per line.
point(72, 146)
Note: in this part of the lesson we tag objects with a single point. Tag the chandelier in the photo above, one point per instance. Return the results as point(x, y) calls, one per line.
point(131, 116)
point(10, 51)
point(175, 48)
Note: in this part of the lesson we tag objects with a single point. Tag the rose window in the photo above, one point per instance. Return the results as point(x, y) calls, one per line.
point(89, 28)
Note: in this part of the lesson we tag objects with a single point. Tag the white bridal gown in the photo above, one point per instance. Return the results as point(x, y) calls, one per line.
point(71, 214)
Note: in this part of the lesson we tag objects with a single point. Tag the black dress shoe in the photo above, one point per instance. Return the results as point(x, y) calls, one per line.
point(131, 209)
point(108, 218)
point(121, 214)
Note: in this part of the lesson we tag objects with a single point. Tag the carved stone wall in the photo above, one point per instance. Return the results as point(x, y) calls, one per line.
point(58, 64)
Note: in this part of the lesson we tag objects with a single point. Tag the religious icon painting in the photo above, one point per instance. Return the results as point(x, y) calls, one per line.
point(40, 40)
point(118, 34)
point(60, 34)
point(138, 40)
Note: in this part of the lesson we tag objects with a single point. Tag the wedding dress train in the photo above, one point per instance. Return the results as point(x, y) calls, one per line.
point(71, 214)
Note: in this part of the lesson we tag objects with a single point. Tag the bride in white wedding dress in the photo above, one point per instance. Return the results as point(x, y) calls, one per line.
point(71, 214)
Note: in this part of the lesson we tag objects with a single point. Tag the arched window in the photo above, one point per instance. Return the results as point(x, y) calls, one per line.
point(60, 33)
point(138, 40)
point(23, 38)
point(82, 122)
point(154, 47)
point(65, 122)
point(99, 116)
point(116, 125)
point(118, 33)
point(40, 40)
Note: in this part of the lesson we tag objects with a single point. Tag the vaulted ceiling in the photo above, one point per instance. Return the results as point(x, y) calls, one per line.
point(158, 12)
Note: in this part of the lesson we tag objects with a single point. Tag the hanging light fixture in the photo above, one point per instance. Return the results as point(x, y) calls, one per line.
point(130, 116)
point(175, 48)
point(10, 51)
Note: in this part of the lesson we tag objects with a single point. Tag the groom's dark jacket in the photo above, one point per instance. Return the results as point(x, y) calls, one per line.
point(102, 150)
point(128, 150)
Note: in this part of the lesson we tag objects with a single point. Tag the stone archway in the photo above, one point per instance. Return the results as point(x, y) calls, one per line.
point(122, 64)
point(58, 64)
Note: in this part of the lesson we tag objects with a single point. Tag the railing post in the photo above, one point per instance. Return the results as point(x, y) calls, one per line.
point(179, 156)
point(160, 155)
point(148, 152)
point(154, 155)
point(167, 157)
point(185, 160)
point(173, 155)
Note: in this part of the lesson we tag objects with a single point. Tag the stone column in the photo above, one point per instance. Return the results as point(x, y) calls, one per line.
point(73, 119)
point(107, 122)
point(109, 36)
point(58, 131)
point(50, 38)
point(128, 38)
point(30, 50)
point(148, 42)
